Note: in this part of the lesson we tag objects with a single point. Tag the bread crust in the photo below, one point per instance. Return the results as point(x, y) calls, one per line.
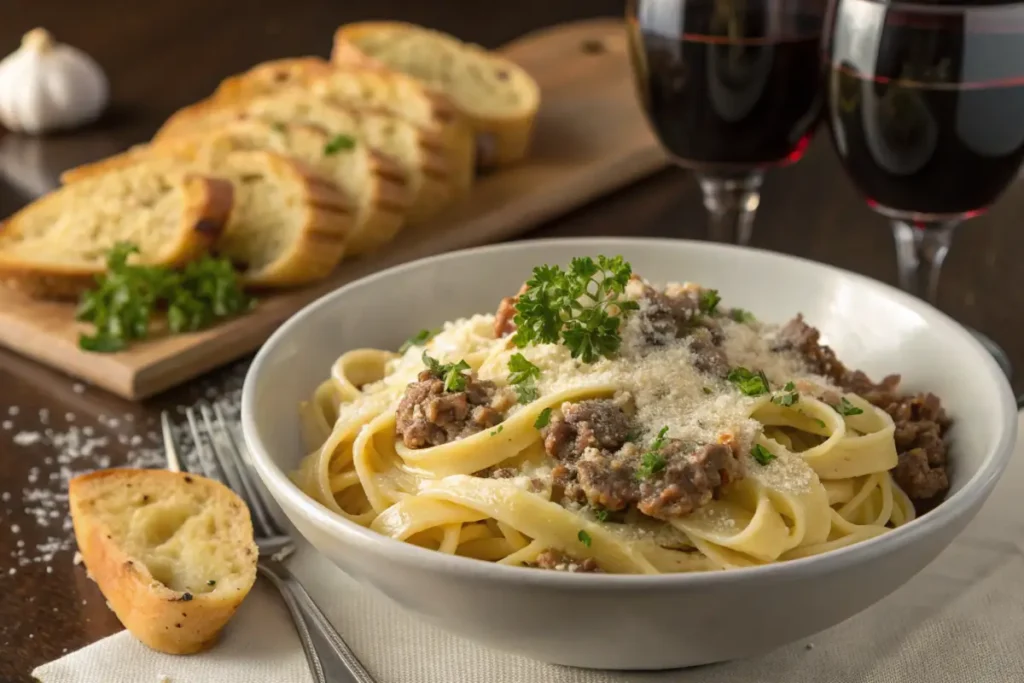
point(208, 203)
point(165, 620)
point(501, 140)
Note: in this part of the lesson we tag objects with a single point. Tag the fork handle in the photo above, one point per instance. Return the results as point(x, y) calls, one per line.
point(330, 653)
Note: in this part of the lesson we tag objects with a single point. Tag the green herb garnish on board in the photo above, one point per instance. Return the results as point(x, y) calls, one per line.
point(339, 143)
point(122, 304)
point(749, 383)
point(845, 408)
point(451, 373)
point(418, 339)
point(522, 375)
point(580, 308)
point(761, 454)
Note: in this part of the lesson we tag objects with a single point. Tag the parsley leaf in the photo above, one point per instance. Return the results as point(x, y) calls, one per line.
point(845, 408)
point(126, 295)
point(821, 423)
point(339, 143)
point(522, 375)
point(418, 339)
point(787, 399)
point(761, 454)
point(601, 514)
point(708, 301)
point(584, 538)
point(498, 430)
point(742, 316)
point(708, 390)
point(652, 461)
point(451, 373)
point(749, 383)
point(543, 419)
point(579, 307)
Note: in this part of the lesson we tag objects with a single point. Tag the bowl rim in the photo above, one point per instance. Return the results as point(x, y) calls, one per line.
point(974, 491)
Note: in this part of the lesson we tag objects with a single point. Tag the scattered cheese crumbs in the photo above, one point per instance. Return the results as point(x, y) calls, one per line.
point(77, 559)
point(78, 388)
point(7, 424)
point(163, 678)
point(13, 410)
point(27, 438)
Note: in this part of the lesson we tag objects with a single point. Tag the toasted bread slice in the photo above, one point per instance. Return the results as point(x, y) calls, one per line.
point(173, 553)
point(56, 246)
point(420, 155)
point(373, 89)
point(373, 184)
point(499, 98)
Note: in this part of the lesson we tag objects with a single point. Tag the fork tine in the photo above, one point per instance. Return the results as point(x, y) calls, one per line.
point(173, 461)
point(228, 468)
point(244, 462)
point(206, 464)
point(253, 495)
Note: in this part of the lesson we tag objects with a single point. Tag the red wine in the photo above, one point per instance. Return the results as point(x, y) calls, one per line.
point(927, 112)
point(731, 91)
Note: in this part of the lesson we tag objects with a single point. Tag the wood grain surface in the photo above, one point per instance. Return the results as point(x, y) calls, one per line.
point(584, 75)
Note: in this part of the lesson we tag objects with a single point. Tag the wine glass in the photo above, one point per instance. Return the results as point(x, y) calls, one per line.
point(925, 103)
point(730, 87)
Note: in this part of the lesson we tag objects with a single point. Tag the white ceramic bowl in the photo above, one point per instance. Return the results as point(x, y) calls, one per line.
point(636, 622)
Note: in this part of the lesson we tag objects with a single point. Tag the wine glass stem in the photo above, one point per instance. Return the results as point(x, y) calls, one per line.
point(920, 250)
point(731, 201)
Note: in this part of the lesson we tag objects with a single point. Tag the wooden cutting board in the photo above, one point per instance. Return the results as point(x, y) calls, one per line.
point(590, 138)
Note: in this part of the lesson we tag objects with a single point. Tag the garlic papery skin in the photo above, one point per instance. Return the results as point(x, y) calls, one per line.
point(47, 86)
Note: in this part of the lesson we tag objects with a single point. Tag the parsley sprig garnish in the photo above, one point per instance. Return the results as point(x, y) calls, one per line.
point(761, 454)
point(579, 307)
point(652, 461)
point(122, 304)
point(451, 373)
point(845, 408)
point(788, 398)
point(418, 339)
point(748, 382)
point(523, 375)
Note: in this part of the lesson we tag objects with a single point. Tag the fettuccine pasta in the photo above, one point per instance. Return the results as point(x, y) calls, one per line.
point(707, 440)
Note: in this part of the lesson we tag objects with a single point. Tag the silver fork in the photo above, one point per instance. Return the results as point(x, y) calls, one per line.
point(329, 657)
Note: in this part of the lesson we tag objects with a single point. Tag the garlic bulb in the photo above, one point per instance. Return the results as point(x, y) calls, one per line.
point(47, 86)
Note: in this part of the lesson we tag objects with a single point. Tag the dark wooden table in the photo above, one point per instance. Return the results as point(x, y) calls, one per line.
point(163, 55)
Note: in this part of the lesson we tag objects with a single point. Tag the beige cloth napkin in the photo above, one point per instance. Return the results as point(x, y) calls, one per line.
point(961, 619)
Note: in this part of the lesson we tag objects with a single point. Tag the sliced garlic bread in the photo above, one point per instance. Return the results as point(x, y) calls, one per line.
point(373, 89)
point(173, 553)
point(372, 183)
point(419, 154)
point(56, 246)
point(498, 96)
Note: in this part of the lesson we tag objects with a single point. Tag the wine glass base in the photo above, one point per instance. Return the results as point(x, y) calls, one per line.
point(997, 352)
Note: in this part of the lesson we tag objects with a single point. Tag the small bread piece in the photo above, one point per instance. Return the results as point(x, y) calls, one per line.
point(373, 89)
point(372, 183)
point(499, 98)
point(172, 553)
point(420, 155)
point(56, 246)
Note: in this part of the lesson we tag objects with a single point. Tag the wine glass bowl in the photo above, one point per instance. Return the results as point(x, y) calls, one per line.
point(925, 105)
point(730, 89)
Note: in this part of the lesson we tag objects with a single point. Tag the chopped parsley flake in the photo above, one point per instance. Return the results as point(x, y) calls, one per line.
point(709, 300)
point(761, 454)
point(339, 143)
point(522, 375)
point(749, 383)
point(845, 408)
point(601, 514)
point(584, 538)
point(452, 374)
point(742, 316)
point(498, 430)
point(418, 339)
point(652, 461)
point(789, 398)
point(543, 419)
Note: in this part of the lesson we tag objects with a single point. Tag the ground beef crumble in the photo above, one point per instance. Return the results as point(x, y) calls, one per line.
point(428, 415)
point(675, 314)
point(559, 561)
point(921, 422)
point(600, 464)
